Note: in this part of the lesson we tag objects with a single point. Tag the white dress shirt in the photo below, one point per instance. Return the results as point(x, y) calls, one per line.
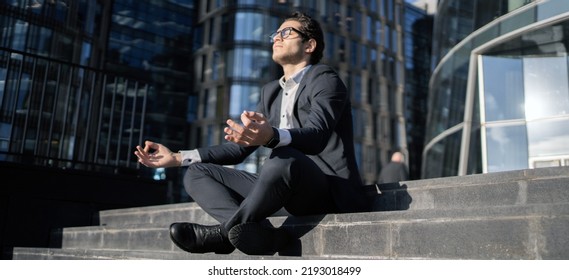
point(290, 87)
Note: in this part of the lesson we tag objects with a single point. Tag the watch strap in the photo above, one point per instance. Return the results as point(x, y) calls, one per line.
point(275, 140)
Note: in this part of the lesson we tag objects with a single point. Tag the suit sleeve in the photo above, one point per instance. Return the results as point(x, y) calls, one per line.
point(225, 154)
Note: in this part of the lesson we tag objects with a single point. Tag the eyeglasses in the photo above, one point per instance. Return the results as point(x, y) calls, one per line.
point(285, 32)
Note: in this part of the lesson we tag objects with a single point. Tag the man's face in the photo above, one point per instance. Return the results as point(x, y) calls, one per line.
point(290, 50)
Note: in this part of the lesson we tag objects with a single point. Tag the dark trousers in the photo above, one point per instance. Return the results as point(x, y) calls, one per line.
point(288, 179)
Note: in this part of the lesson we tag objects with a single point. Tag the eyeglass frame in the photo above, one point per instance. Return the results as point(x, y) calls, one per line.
point(276, 33)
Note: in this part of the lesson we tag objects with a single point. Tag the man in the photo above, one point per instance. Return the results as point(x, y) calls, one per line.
point(305, 118)
point(395, 170)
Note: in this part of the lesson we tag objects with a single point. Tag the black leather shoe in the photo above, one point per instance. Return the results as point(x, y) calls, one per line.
point(257, 239)
point(195, 238)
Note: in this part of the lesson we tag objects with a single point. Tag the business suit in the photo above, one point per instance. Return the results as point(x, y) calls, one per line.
point(311, 168)
point(315, 174)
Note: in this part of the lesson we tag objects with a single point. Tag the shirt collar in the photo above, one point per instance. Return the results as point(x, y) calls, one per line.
point(295, 79)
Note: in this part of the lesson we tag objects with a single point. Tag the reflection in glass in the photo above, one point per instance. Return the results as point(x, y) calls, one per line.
point(243, 97)
point(506, 148)
point(548, 137)
point(249, 63)
point(254, 26)
point(503, 88)
point(442, 158)
point(547, 87)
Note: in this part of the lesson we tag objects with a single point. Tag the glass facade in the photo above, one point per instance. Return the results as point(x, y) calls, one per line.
point(85, 81)
point(152, 41)
point(71, 31)
point(418, 42)
point(364, 43)
point(502, 83)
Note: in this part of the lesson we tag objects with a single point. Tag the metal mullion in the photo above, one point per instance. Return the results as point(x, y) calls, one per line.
point(83, 155)
point(17, 95)
point(65, 113)
point(142, 117)
point(53, 111)
point(5, 90)
point(40, 113)
point(100, 118)
point(132, 117)
point(121, 123)
point(77, 112)
point(31, 102)
point(111, 122)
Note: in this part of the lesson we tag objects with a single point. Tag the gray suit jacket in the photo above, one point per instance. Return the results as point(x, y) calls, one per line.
point(323, 131)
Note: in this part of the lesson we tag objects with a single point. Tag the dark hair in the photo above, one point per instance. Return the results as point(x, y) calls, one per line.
point(311, 28)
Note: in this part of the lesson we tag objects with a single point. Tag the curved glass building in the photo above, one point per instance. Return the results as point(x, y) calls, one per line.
point(499, 93)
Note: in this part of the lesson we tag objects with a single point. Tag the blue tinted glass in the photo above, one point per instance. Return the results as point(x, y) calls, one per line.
point(503, 88)
point(507, 148)
point(250, 63)
point(243, 97)
point(548, 137)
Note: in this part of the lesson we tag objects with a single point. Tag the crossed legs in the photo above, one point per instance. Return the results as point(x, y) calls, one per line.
point(287, 179)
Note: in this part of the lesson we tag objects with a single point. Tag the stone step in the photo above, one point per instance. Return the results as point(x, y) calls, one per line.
point(159, 215)
point(526, 187)
point(23, 253)
point(520, 187)
point(508, 232)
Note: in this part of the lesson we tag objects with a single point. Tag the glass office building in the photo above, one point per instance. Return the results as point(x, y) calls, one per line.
point(499, 94)
point(364, 43)
point(83, 82)
point(418, 49)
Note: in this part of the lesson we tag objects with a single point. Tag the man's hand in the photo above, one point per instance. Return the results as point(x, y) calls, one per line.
point(255, 130)
point(157, 155)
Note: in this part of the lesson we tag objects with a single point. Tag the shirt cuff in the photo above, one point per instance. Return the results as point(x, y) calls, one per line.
point(284, 137)
point(190, 156)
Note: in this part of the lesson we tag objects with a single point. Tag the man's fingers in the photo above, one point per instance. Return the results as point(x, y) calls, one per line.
point(254, 116)
point(238, 131)
point(245, 119)
point(150, 146)
point(234, 126)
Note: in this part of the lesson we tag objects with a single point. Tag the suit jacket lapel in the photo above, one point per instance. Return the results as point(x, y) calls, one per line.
point(273, 105)
point(301, 94)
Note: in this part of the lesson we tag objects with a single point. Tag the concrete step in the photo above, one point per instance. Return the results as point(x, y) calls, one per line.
point(160, 215)
point(520, 187)
point(508, 232)
point(109, 254)
point(508, 215)
point(526, 187)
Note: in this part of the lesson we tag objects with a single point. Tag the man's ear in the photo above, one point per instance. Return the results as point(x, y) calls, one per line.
point(310, 46)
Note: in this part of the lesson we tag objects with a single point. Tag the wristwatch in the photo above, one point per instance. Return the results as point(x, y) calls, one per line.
point(275, 140)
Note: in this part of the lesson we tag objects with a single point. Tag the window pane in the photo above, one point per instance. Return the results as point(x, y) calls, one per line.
point(548, 138)
point(503, 88)
point(243, 97)
point(252, 63)
point(546, 84)
point(254, 26)
point(506, 148)
point(443, 157)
